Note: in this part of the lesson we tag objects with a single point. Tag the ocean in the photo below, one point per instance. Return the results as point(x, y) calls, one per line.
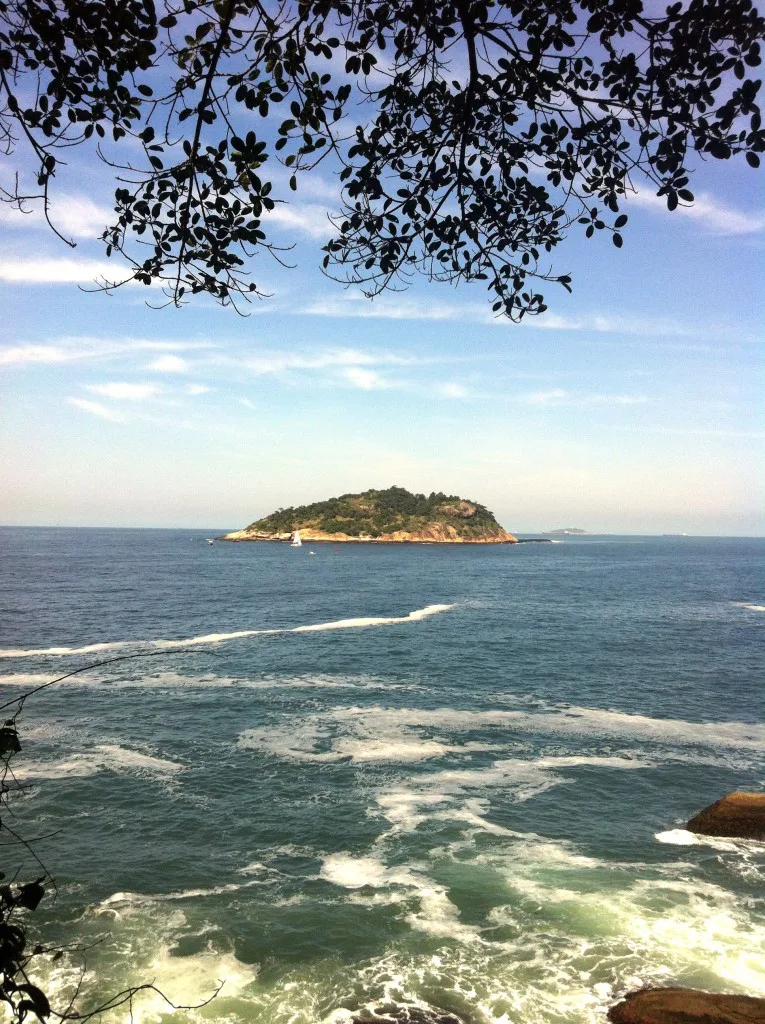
point(379, 778)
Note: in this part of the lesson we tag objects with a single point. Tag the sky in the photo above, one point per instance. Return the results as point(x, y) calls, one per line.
point(632, 406)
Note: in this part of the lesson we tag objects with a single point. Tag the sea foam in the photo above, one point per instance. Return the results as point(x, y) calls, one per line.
point(103, 757)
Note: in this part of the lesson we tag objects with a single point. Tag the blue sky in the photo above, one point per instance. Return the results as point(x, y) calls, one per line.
point(634, 405)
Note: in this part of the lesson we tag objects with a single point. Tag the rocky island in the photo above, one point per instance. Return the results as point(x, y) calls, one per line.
point(393, 515)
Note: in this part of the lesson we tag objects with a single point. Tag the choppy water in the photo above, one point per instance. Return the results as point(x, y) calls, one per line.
point(463, 787)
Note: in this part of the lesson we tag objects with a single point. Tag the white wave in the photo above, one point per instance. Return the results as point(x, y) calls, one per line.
point(122, 900)
point(677, 837)
point(750, 607)
point(415, 616)
point(449, 795)
point(570, 720)
point(142, 946)
point(217, 638)
point(352, 872)
point(103, 757)
point(368, 737)
point(682, 837)
point(379, 734)
point(24, 679)
point(437, 915)
point(570, 935)
point(166, 680)
point(714, 734)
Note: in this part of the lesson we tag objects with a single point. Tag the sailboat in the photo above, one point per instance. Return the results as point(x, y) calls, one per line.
point(296, 541)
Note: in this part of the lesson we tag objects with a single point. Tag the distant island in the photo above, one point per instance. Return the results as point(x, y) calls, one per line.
point(393, 515)
point(569, 531)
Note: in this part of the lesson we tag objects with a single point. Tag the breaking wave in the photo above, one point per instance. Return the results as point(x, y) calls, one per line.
point(104, 757)
point(218, 638)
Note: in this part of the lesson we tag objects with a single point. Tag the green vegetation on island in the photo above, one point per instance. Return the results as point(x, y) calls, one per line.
point(390, 514)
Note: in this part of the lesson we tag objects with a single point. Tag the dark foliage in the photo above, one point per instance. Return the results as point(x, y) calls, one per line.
point(483, 130)
point(378, 512)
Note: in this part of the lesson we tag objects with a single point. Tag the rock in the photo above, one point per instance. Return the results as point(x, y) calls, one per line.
point(686, 1006)
point(738, 815)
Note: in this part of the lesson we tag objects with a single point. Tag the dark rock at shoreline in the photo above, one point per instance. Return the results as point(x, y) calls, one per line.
point(737, 815)
point(686, 1006)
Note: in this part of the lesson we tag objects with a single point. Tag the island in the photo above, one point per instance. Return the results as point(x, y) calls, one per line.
point(390, 516)
point(568, 531)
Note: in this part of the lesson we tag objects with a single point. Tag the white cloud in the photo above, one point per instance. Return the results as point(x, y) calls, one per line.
point(608, 323)
point(395, 308)
point(452, 390)
point(615, 399)
point(20, 355)
point(553, 397)
point(169, 364)
point(280, 362)
point(316, 187)
point(75, 216)
point(72, 349)
point(367, 380)
point(308, 218)
point(124, 391)
point(713, 214)
point(198, 389)
point(246, 403)
point(96, 409)
point(558, 396)
point(60, 271)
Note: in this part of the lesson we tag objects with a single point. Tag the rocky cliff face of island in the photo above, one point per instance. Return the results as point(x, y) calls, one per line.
point(393, 515)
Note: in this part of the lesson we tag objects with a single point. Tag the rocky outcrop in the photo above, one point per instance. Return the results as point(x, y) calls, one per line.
point(392, 515)
point(737, 815)
point(439, 533)
point(254, 535)
point(686, 1006)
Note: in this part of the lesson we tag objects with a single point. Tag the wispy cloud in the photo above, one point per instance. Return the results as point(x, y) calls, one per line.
point(25, 355)
point(609, 323)
point(306, 218)
point(559, 396)
point(75, 349)
point(169, 364)
point(555, 396)
point(366, 380)
point(96, 409)
point(710, 213)
point(60, 271)
point(246, 403)
point(198, 389)
point(75, 216)
point(281, 362)
point(394, 307)
point(450, 389)
point(397, 307)
point(316, 187)
point(124, 391)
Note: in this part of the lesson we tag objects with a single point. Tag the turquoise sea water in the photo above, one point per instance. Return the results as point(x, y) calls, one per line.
point(476, 808)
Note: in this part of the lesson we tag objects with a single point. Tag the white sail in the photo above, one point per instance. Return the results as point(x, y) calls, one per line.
point(296, 541)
